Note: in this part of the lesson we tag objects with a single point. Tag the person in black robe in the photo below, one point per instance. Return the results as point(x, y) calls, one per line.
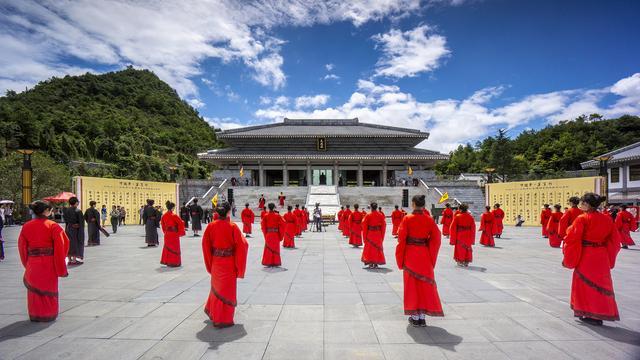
point(196, 217)
point(74, 227)
point(150, 217)
point(92, 217)
point(184, 215)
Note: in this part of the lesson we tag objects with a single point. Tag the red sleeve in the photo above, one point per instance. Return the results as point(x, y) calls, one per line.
point(402, 243)
point(618, 223)
point(483, 219)
point(563, 224)
point(241, 247)
point(453, 231)
point(435, 239)
point(60, 249)
point(572, 249)
point(263, 225)
point(281, 227)
point(384, 227)
point(365, 230)
point(163, 223)
point(23, 248)
point(473, 230)
point(181, 229)
point(253, 217)
point(613, 246)
point(207, 245)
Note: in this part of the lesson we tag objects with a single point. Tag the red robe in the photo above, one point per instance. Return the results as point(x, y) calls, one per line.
point(624, 225)
point(43, 247)
point(447, 218)
point(486, 226)
point(289, 230)
point(346, 231)
point(590, 248)
point(340, 219)
point(396, 218)
point(566, 220)
point(544, 220)
point(416, 254)
point(305, 220)
point(281, 200)
point(263, 213)
point(261, 202)
point(273, 228)
point(374, 226)
point(463, 236)
point(247, 217)
point(299, 214)
point(173, 228)
point(498, 217)
point(355, 228)
point(225, 256)
point(552, 229)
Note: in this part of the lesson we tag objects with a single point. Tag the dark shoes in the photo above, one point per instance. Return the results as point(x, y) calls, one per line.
point(625, 247)
point(414, 323)
point(423, 322)
point(590, 321)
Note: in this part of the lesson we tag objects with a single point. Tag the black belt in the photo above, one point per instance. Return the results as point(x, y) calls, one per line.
point(464, 228)
point(222, 252)
point(374, 228)
point(272, 230)
point(40, 252)
point(357, 221)
point(593, 244)
point(417, 241)
point(151, 218)
point(172, 228)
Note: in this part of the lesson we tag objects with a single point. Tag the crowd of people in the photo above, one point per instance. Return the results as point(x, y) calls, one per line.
point(590, 241)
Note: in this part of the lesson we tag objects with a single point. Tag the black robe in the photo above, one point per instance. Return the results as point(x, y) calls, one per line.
point(92, 217)
point(184, 215)
point(74, 227)
point(196, 217)
point(150, 217)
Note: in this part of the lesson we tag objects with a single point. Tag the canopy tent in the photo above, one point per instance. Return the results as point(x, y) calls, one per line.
point(2, 202)
point(62, 197)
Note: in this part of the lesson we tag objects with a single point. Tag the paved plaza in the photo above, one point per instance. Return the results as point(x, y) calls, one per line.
point(512, 303)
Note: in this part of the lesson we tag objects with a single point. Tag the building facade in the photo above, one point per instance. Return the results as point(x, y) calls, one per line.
point(303, 152)
point(623, 173)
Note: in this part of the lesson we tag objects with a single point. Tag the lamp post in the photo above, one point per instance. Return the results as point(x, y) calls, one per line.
point(27, 182)
point(604, 160)
point(490, 172)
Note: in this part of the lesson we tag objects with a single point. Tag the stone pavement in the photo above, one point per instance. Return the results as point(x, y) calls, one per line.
point(512, 303)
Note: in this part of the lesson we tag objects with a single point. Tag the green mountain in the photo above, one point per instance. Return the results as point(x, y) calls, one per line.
point(126, 124)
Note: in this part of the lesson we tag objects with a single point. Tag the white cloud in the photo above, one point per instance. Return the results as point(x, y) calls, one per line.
point(281, 101)
point(329, 67)
point(311, 101)
point(452, 122)
point(331, 77)
point(225, 123)
point(409, 53)
point(196, 103)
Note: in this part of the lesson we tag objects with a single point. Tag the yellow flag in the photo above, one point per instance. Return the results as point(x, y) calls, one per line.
point(410, 172)
point(444, 198)
point(214, 200)
point(241, 171)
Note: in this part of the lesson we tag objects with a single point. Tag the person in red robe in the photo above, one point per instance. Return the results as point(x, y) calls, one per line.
point(544, 219)
point(396, 217)
point(248, 217)
point(416, 255)
point(290, 228)
point(553, 225)
point(273, 228)
point(173, 228)
point(339, 216)
point(281, 199)
point(498, 218)
point(224, 249)
point(625, 224)
point(263, 213)
point(381, 212)
point(486, 226)
point(261, 202)
point(346, 231)
point(463, 236)
point(305, 219)
point(298, 214)
point(355, 227)
point(590, 249)
point(569, 217)
point(374, 226)
point(447, 218)
point(43, 247)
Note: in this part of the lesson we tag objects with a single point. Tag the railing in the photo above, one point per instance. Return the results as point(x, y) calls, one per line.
point(213, 190)
point(424, 184)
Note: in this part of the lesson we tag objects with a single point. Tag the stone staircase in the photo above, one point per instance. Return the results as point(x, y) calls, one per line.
point(464, 191)
point(386, 196)
point(251, 194)
point(326, 196)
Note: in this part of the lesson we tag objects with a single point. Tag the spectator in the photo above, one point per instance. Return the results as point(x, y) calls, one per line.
point(519, 220)
point(103, 215)
point(8, 215)
point(141, 211)
point(123, 216)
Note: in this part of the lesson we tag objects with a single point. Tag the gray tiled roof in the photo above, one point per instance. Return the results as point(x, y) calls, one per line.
point(627, 153)
point(321, 127)
point(410, 154)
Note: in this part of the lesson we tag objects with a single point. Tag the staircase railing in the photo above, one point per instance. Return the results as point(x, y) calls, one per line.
point(429, 191)
point(213, 190)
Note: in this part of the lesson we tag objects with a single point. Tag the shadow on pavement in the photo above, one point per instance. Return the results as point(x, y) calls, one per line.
point(439, 336)
point(476, 268)
point(215, 337)
point(23, 328)
point(164, 269)
point(618, 334)
point(379, 270)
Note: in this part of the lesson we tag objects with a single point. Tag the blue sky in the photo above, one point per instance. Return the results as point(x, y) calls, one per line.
point(458, 69)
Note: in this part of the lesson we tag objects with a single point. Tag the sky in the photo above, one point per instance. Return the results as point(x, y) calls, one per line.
point(458, 69)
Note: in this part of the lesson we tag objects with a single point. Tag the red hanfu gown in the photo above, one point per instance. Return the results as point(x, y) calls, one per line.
point(486, 226)
point(590, 248)
point(43, 247)
point(289, 230)
point(173, 228)
point(566, 220)
point(298, 214)
point(463, 236)
point(544, 220)
point(263, 213)
point(346, 231)
point(447, 218)
point(552, 229)
point(624, 225)
point(416, 254)
point(339, 216)
point(305, 219)
point(273, 227)
point(247, 216)
point(396, 218)
point(374, 226)
point(355, 228)
point(498, 217)
point(225, 256)
point(261, 202)
point(281, 200)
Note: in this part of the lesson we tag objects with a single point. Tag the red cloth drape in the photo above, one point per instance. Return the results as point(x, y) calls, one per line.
point(374, 226)
point(273, 228)
point(416, 255)
point(173, 229)
point(590, 248)
point(463, 236)
point(225, 256)
point(43, 247)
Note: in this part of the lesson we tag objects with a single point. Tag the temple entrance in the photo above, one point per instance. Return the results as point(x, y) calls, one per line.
point(273, 177)
point(322, 177)
point(371, 177)
point(348, 178)
point(297, 178)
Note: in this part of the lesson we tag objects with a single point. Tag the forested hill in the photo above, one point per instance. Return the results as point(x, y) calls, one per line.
point(127, 123)
point(546, 152)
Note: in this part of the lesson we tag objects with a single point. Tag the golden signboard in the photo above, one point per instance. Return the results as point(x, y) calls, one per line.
point(123, 192)
point(321, 144)
point(526, 198)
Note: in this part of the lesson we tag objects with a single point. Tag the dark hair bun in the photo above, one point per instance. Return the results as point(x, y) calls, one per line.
point(418, 200)
point(39, 206)
point(594, 200)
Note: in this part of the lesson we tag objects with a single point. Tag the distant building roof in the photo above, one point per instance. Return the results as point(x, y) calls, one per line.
point(320, 127)
point(410, 154)
point(623, 154)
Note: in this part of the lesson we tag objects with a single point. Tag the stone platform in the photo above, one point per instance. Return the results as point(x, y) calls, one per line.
point(512, 303)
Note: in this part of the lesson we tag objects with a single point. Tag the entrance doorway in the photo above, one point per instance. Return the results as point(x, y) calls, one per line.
point(322, 177)
point(273, 177)
point(297, 178)
point(371, 177)
point(348, 178)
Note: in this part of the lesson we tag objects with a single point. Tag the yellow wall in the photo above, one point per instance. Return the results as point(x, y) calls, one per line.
point(526, 198)
point(123, 192)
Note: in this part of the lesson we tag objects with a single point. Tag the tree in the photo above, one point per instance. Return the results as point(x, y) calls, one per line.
point(501, 155)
